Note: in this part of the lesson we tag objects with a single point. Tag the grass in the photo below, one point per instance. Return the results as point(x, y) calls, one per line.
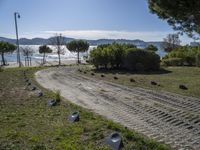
point(167, 79)
point(26, 121)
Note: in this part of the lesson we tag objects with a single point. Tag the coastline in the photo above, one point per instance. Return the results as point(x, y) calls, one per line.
point(35, 63)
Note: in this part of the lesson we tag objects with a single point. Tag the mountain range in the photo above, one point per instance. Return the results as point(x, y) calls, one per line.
point(43, 41)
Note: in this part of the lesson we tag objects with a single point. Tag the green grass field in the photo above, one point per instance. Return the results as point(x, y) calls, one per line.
point(26, 122)
point(168, 79)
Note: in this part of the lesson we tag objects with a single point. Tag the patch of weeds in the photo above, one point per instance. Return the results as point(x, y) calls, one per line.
point(39, 147)
point(58, 96)
point(113, 126)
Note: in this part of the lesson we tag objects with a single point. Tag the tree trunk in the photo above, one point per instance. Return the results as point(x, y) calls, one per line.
point(59, 56)
point(3, 60)
point(78, 57)
point(44, 58)
point(59, 59)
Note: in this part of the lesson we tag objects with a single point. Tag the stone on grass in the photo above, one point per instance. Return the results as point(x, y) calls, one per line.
point(52, 103)
point(102, 75)
point(39, 94)
point(74, 117)
point(154, 83)
point(26, 80)
point(183, 87)
point(33, 88)
point(115, 78)
point(115, 141)
point(132, 80)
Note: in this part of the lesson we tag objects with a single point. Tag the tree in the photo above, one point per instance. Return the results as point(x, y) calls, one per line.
point(171, 42)
point(78, 46)
point(151, 48)
point(27, 52)
point(6, 47)
point(183, 15)
point(44, 49)
point(58, 42)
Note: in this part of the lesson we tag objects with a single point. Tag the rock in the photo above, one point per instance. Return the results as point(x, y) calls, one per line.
point(183, 87)
point(39, 94)
point(33, 88)
point(154, 83)
point(132, 80)
point(115, 141)
point(115, 78)
point(102, 76)
point(74, 117)
point(52, 103)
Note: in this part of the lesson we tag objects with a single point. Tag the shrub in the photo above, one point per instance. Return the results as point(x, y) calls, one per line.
point(141, 60)
point(186, 56)
point(172, 62)
point(1, 69)
point(109, 55)
point(124, 56)
point(139, 67)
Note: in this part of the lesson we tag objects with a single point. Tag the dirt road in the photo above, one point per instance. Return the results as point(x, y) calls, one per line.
point(166, 117)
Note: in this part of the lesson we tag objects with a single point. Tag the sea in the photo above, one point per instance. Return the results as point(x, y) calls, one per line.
point(66, 55)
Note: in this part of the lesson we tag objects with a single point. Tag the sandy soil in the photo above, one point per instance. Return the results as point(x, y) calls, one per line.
point(166, 117)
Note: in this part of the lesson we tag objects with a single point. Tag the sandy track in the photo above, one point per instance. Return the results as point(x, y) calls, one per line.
point(164, 116)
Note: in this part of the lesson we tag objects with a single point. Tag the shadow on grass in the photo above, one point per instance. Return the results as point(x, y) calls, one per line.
point(125, 71)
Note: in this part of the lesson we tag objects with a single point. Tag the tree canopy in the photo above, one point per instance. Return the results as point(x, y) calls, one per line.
point(151, 48)
point(6, 47)
point(78, 46)
point(44, 49)
point(171, 42)
point(183, 15)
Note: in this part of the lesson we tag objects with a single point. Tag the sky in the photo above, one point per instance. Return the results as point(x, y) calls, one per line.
point(86, 19)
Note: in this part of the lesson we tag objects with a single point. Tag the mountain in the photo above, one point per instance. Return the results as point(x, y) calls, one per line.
point(42, 41)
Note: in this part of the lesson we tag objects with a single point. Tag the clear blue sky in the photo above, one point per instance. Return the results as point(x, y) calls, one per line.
point(89, 19)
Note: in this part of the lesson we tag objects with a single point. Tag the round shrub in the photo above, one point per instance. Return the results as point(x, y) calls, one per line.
point(141, 60)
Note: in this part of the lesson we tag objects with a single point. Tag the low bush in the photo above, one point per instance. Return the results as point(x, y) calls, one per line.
point(182, 56)
point(172, 62)
point(141, 60)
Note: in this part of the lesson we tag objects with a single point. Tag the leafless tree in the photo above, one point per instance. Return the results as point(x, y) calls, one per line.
point(58, 42)
point(27, 52)
point(171, 42)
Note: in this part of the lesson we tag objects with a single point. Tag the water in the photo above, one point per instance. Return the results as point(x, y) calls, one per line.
point(54, 56)
point(67, 55)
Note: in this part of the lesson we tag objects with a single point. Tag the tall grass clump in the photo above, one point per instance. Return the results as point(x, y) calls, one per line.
point(58, 96)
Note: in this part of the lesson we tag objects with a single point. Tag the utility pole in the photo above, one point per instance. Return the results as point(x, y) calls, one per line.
point(17, 15)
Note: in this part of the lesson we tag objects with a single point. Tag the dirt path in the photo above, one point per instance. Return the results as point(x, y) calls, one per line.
point(164, 116)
